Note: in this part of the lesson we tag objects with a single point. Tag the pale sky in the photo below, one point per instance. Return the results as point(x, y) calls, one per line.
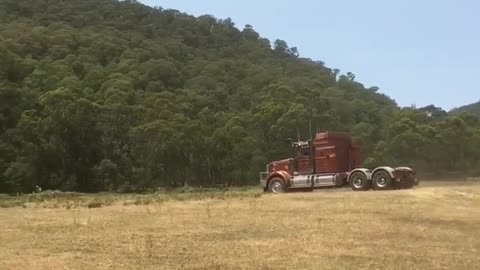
point(417, 51)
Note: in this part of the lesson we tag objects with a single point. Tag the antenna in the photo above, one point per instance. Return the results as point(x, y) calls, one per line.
point(310, 128)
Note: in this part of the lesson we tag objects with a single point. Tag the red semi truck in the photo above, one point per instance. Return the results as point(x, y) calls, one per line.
point(331, 159)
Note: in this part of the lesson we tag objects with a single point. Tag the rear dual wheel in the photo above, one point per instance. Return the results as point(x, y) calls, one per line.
point(382, 180)
point(359, 182)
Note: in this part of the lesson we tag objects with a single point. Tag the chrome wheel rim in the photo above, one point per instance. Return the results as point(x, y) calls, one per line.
point(357, 182)
point(276, 187)
point(381, 182)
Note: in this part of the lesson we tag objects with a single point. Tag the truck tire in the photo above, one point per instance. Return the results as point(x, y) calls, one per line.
point(276, 185)
point(359, 182)
point(382, 180)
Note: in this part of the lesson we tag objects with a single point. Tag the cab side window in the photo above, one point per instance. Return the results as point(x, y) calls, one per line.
point(304, 152)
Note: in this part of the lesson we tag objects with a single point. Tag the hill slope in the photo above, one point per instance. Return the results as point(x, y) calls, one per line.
point(106, 95)
point(473, 108)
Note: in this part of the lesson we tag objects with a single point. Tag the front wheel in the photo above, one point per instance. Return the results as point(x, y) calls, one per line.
point(359, 182)
point(276, 185)
point(382, 180)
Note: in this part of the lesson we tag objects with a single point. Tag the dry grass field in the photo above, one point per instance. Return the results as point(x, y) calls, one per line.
point(433, 226)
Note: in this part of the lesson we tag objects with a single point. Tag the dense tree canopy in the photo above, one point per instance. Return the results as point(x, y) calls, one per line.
point(107, 95)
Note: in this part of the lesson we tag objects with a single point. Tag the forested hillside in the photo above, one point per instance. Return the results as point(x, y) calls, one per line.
point(107, 95)
point(473, 108)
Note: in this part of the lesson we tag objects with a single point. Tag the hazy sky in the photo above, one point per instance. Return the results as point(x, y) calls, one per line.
point(417, 51)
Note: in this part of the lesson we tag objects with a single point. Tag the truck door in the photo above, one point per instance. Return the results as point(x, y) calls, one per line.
point(303, 168)
point(303, 160)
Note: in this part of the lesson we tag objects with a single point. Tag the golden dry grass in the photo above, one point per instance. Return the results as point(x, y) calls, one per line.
point(428, 227)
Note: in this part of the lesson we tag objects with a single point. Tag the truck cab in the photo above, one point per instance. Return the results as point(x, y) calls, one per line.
point(329, 159)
